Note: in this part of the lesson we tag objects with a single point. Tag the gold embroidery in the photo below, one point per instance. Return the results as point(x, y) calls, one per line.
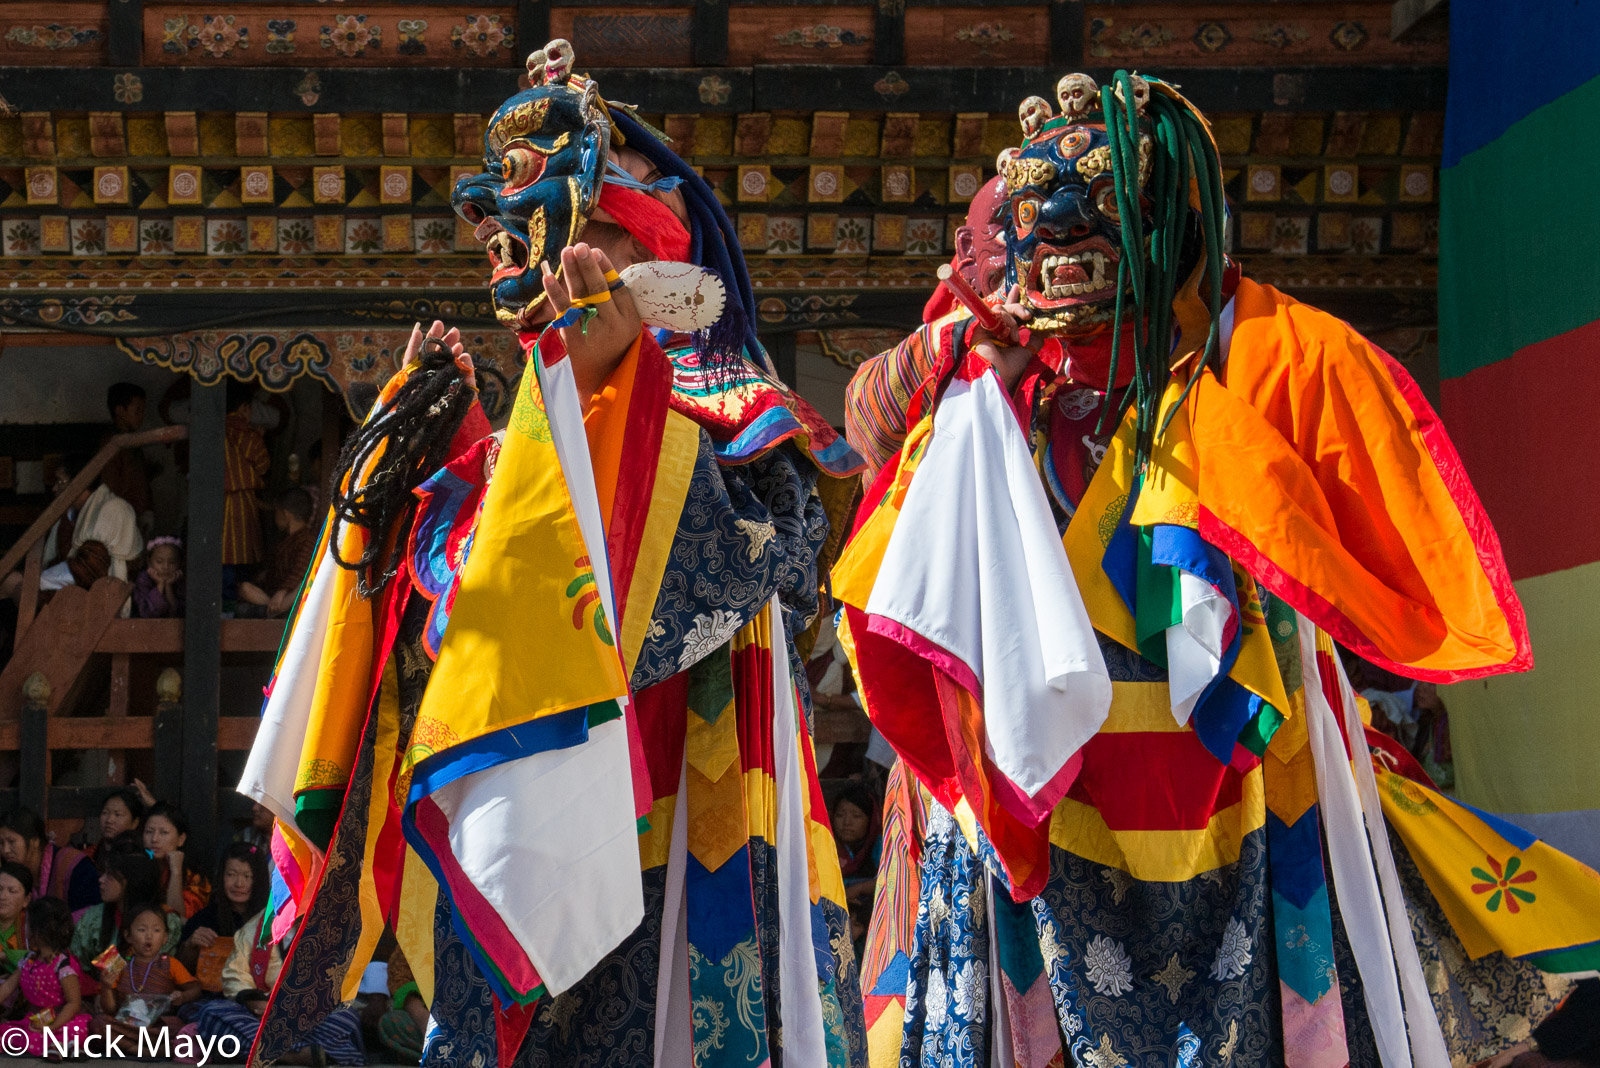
point(318, 772)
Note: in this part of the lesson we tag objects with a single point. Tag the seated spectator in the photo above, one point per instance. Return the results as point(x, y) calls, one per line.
point(276, 586)
point(49, 982)
point(58, 871)
point(208, 936)
point(247, 978)
point(311, 473)
point(403, 1026)
point(259, 831)
point(129, 879)
point(183, 889)
point(102, 538)
point(138, 987)
point(854, 816)
point(16, 890)
point(158, 591)
point(126, 473)
point(122, 812)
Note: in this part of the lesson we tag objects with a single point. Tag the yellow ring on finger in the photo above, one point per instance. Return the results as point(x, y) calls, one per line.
point(592, 299)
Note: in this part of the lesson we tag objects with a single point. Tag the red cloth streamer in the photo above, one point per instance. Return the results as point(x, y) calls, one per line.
point(648, 220)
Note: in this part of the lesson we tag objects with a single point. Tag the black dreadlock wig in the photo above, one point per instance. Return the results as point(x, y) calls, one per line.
point(404, 441)
point(1157, 260)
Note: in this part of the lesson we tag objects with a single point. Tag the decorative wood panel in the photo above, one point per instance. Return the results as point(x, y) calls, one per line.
point(345, 35)
point(1157, 35)
point(800, 35)
point(615, 36)
point(55, 35)
point(977, 36)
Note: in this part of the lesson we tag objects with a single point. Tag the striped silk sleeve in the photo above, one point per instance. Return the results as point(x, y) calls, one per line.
point(878, 395)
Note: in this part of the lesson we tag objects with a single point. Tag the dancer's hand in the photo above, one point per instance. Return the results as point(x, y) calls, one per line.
point(1000, 348)
point(451, 339)
point(596, 345)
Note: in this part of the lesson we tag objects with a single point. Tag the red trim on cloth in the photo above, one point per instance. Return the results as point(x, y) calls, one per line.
point(648, 220)
point(1344, 497)
point(901, 698)
point(1023, 847)
point(1484, 539)
point(1393, 757)
point(1321, 611)
point(641, 451)
point(923, 648)
point(498, 943)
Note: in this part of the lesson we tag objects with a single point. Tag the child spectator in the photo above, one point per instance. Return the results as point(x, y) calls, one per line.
point(855, 831)
point(129, 879)
point(49, 981)
point(183, 890)
point(276, 586)
point(251, 971)
point(158, 591)
point(58, 871)
point(121, 813)
point(139, 990)
point(208, 936)
point(16, 891)
point(126, 472)
point(245, 465)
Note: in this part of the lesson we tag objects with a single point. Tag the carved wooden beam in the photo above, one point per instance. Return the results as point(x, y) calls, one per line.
point(719, 89)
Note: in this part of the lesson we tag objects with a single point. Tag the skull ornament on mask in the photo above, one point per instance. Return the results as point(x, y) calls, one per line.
point(544, 154)
point(1033, 113)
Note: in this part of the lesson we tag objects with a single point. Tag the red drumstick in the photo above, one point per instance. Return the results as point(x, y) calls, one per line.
point(986, 315)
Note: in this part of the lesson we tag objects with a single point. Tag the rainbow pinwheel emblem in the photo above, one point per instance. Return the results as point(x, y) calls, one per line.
point(1503, 884)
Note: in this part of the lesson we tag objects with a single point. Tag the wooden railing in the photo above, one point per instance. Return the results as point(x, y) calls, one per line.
point(36, 722)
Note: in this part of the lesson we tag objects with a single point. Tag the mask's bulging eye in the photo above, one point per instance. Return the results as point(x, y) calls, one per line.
point(522, 167)
point(1106, 201)
point(1027, 214)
